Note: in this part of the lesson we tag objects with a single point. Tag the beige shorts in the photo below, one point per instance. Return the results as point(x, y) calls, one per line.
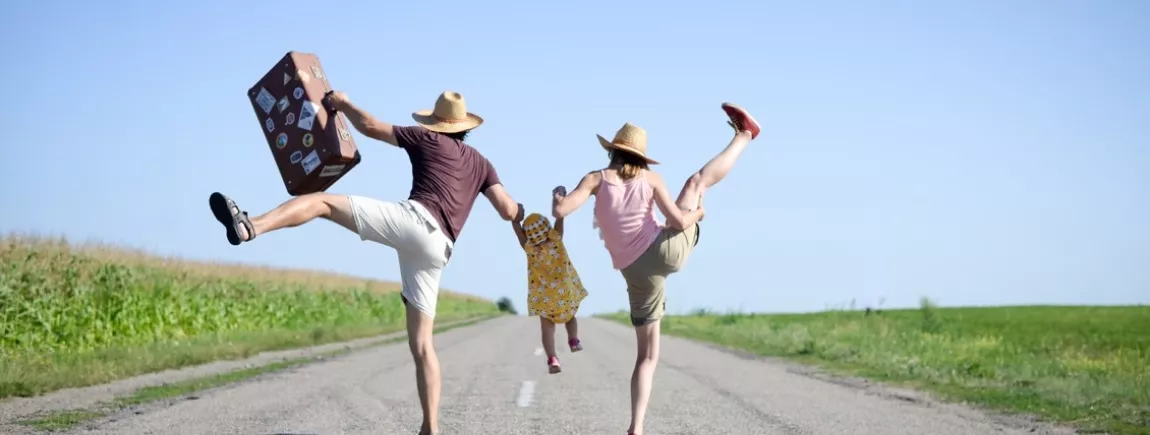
point(647, 276)
point(423, 249)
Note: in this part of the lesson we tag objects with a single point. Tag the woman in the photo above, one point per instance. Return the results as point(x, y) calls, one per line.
point(644, 250)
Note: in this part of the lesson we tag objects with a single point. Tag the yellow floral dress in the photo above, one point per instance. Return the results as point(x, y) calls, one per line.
point(554, 290)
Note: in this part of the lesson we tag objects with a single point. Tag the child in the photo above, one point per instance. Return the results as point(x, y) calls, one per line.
point(554, 290)
point(643, 249)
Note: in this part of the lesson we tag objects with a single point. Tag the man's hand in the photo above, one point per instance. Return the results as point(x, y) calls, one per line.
point(520, 214)
point(558, 193)
point(339, 100)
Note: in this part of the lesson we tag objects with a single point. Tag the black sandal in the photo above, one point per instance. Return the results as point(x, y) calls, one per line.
point(222, 209)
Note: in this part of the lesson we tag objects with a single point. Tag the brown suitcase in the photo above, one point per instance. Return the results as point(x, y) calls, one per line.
point(311, 144)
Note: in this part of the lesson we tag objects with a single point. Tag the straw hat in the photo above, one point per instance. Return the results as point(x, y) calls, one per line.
point(449, 116)
point(631, 139)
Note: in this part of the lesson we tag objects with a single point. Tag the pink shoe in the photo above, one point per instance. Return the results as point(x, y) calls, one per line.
point(553, 365)
point(575, 345)
point(742, 120)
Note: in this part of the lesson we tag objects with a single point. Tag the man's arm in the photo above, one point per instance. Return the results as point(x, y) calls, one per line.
point(563, 205)
point(559, 226)
point(508, 209)
point(363, 122)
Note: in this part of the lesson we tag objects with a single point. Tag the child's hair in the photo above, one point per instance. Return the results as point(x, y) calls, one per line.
point(629, 164)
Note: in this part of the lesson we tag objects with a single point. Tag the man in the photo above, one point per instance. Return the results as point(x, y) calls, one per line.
point(447, 176)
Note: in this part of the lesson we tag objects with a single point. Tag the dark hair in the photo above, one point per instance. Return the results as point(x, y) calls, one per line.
point(459, 136)
point(629, 165)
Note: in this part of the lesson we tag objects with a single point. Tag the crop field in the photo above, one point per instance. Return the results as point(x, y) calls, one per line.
point(77, 315)
point(1084, 366)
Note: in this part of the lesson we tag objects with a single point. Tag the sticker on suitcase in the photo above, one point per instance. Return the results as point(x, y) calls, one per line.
point(283, 104)
point(310, 162)
point(290, 119)
point(295, 156)
point(303, 77)
point(287, 78)
point(343, 134)
point(265, 100)
point(297, 93)
point(281, 141)
point(271, 125)
point(307, 115)
point(308, 140)
point(331, 170)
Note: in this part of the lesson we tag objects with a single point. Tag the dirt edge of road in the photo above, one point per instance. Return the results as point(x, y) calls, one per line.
point(88, 401)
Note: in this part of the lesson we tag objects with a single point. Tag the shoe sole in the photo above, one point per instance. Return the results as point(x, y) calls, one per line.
point(219, 204)
point(554, 369)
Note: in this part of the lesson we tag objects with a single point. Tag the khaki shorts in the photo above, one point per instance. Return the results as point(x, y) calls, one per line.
point(647, 276)
point(423, 250)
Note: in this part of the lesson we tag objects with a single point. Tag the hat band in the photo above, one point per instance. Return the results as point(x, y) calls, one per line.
point(449, 121)
point(626, 144)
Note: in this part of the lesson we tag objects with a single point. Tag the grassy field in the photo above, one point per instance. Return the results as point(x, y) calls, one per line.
point(81, 315)
point(1085, 366)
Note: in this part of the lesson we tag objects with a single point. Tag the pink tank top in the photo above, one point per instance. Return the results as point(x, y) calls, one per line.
point(625, 217)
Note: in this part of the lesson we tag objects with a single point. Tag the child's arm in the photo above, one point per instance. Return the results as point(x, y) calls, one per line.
point(559, 226)
point(519, 232)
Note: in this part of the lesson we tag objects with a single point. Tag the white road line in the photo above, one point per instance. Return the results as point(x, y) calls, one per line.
point(538, 351)
point(525, 394)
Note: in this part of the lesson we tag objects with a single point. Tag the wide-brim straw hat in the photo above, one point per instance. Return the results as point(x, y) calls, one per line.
point(449, 116)
point(630, 139)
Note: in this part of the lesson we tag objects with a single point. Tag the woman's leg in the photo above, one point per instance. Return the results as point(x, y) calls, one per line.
point(647, 337)
point(746, 129)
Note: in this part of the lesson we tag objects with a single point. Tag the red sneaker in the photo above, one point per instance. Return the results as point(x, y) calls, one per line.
point(575, 345)
point(742, 119)
point(553, 365)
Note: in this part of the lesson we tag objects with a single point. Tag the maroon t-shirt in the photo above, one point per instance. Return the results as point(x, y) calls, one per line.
point(446, 175)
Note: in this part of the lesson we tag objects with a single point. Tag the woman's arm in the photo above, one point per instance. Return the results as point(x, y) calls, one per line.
point(518, 226)
point(676, 218)
point(563, 205)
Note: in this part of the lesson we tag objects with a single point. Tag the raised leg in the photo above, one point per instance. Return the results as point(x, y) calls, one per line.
point(647, 337)
point(573, 335)
point(746, 129)
point(291, 213)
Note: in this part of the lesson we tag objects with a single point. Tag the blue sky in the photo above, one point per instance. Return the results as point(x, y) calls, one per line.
point(976, 152)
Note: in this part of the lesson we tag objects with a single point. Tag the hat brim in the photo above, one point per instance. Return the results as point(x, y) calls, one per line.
point(608, 145)
point(430, 122)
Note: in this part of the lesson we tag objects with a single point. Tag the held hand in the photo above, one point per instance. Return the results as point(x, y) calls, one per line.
point(520, 214)
point(559, 192)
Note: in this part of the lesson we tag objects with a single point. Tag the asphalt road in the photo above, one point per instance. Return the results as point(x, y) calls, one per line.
point(496, 382)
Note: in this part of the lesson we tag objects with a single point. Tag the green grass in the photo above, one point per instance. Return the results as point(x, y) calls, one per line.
point(1088, 367)
point(73, 316)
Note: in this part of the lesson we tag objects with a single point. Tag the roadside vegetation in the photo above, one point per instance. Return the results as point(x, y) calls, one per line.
point(78, 315)
point(1085, 366)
